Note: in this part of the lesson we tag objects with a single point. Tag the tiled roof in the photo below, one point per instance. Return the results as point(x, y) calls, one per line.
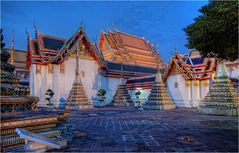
point(42, 49)
point(191, 67)
point(121, 47)
point(53, 44)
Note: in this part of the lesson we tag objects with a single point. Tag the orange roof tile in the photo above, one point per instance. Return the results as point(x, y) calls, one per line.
point(129, 49)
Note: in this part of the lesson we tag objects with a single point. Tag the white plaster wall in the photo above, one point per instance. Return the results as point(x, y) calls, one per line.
point(89, 80)
point(112, 86)
point(38, 83)
point(32, 83)
point(204, 90)
point(196, 94)
point(55, 84)
point(180, 95)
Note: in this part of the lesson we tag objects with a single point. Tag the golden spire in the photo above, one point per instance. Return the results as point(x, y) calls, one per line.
point(12, 50)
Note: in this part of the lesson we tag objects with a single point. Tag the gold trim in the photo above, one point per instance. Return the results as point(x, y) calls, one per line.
point(196, 82)
point(205, 82)
point(188, 83)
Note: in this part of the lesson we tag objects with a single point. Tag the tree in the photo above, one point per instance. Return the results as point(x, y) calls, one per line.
point(2, 44)
point(215, 32)
point(137, 94)
point(101, 93)
point(49, 95)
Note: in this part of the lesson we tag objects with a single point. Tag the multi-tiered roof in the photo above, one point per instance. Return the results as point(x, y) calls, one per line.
point(192, 66)
point(137, 54)
point(120, 47)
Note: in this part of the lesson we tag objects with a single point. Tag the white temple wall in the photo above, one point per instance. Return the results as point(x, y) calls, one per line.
point(32, 83)
point(55, 81)
point(112, 86)
point(196, 93)
point(178, 91)
point(43, 85)
point(190, 95)
point(204, 90)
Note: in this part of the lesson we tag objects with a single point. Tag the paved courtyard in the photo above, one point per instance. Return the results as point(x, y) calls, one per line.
point(132, 130)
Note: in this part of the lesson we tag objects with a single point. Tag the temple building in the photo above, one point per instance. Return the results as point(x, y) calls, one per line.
point(188, 77)
point(52, 63)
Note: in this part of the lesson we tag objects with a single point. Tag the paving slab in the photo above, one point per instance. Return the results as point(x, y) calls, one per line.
point(130, 130)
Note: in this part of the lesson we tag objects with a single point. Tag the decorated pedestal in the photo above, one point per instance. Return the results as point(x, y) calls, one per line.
point(221, 99)
point(21, 111)
point(77, 98)
point(158, 97)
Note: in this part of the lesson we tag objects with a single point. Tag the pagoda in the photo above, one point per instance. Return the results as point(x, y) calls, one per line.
point(122, 97)
point(77, 98)
point(21, 111)
point(158, 98)
point(221, 99)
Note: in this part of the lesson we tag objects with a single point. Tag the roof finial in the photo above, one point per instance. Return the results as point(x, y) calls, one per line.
point(36, 30)
point(26, 32)
point(81, 25)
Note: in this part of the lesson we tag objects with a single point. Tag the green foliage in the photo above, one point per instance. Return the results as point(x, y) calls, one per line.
point(137, 94)
point(101, 92)
point(50, 92)
point(2, 44)
point(215, 32)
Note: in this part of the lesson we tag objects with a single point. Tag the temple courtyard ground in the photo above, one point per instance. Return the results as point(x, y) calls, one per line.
point(132, 130)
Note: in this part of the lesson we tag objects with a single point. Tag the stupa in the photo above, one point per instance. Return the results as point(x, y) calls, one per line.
point(122, 97)
point(221, 99)
point(21, 111)
point(77, 98)
point(158, 97)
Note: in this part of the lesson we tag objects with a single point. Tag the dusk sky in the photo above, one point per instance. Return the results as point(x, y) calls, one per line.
point(160, 22)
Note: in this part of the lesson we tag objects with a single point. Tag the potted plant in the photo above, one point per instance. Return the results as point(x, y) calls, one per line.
point(137, 94)
point(101, 93)
point(49, 95)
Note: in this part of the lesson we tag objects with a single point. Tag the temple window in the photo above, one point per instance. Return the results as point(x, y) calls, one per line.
point(50, 68)
point(62, 68)
point(175, 85)
point(38, 69)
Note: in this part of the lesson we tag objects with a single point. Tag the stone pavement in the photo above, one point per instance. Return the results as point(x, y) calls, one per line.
point(131, 130)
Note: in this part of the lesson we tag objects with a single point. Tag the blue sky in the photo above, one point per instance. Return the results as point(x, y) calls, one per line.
point(161, 22)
